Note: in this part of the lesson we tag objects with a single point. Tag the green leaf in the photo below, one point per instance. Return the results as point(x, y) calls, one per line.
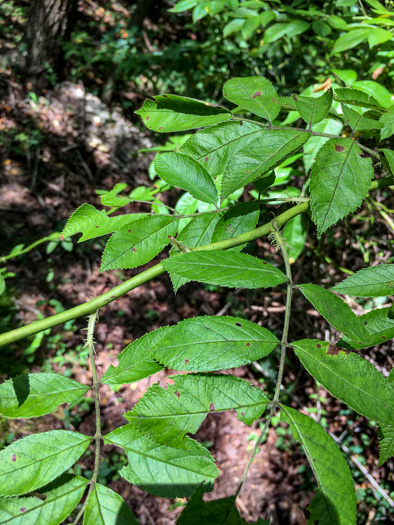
point(349, 378)
point(35, 460)
point(375, 281)
point(35, 395)
point(106, 507)
point(54, 508)
point(314, 144)
point(134, 361)
point(294, 234)
point(335, 311)
point(197, 233)
point(380, 328)
point(340, 180)
point(379, 36)
point(237, 270)
point(160, 470)
point(183, 172)
point(387, 119)
point(377, 91)
point(111, 198)
point(358, 122)
point(250, 26)
point(233, 26)
point(259, 157)
point(314, 109)
point(336, 22)
point(386, 443)
point(204, 344)
point(131, 247)
point(200, 11)
point(183, 5)
point(168, 113)
point(345, 3)
point(214, 512)
point(351, 39)
point(241, 218)
point(167, 415)
point(215, 146)
point(275, 32)
point(356, 97)
point(348, 76)
point(321, 28)
point(390, 158)
point(94, 223)
point(335, 501)
point(256, 94)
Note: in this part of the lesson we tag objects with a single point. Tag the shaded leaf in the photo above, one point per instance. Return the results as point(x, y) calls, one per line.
point(389, 154)
point(215, 146)
point(294, 235)
point(35, 395)
point(340, 180)
point(35, 460)
point(256, 94)
point(260, 157)
point(356, 97)
point(131, 247)
point(387, 119)
point(374, 281)
point(335, 311)
point(237, 270)
point(358, 122)
point(214, 512)
point(351, 39)
point(106, 507)
point(335, 501)
point(379, 36)
point(94, 223)
point(314, 109)
point(183, 172)
point(233, 26)
point(380, 328)
point(168, 113)
point(204, 344)
point(59, 502)
point(314, 143)
point(134, 362)
point(160, 470)
point(167, 415)
point(386, 443)
point(241, 218)
point(349, 378)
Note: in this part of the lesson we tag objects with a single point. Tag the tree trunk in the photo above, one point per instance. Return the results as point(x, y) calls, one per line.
point(47, 22)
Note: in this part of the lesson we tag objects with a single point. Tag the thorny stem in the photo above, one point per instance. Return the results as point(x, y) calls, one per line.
point(145, 276)
point(96, 386)
point(284, 343)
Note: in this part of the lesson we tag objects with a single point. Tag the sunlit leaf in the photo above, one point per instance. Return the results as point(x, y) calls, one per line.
point(374, 281)
point(106, 507)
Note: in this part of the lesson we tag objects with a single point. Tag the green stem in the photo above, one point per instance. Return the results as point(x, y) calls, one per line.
point(284, 343)
point(52, 237)
point(96, 386)
point(91, 306)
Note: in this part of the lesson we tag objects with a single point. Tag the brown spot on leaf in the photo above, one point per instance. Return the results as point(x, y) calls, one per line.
point(339, 148)
point(295, 97)
point(177, 394)
point(134, 249)
point(14, 457)
point(161, 127)
point(186, 361)
point(257, 94)
point(365, 322)
point(22, 509)
point(62, 237)
point(129, 231)
point(383, 337)
point(247, 344)
point(238, 324)
point(206, 159)
point(334, 350)
point(243, 414)
point(211, 406)
point(318, 346)
point(147, 118)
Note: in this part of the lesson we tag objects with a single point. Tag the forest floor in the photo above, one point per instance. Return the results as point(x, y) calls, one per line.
point(72, 145)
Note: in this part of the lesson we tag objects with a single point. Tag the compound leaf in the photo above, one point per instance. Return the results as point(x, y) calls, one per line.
point(60, 500)
point(260, 156)
point(387, 119)
point(237, 270)
point(256, 94)
point(335, 311)
point(168, 113)
point(94, 223)
point(314, 109)
point(241, 218)
point(160, 470)
point(35, 460)
point(335, 501)
point(340, 179)
point(180, 170)
point(131, 247)
point(134, 362)
point(375, 281)
point(106, 507)
point(210, 343)
point(386, 443)
point(215, 146)
point(167, 415)
point(349, 378)
point(34, 395)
